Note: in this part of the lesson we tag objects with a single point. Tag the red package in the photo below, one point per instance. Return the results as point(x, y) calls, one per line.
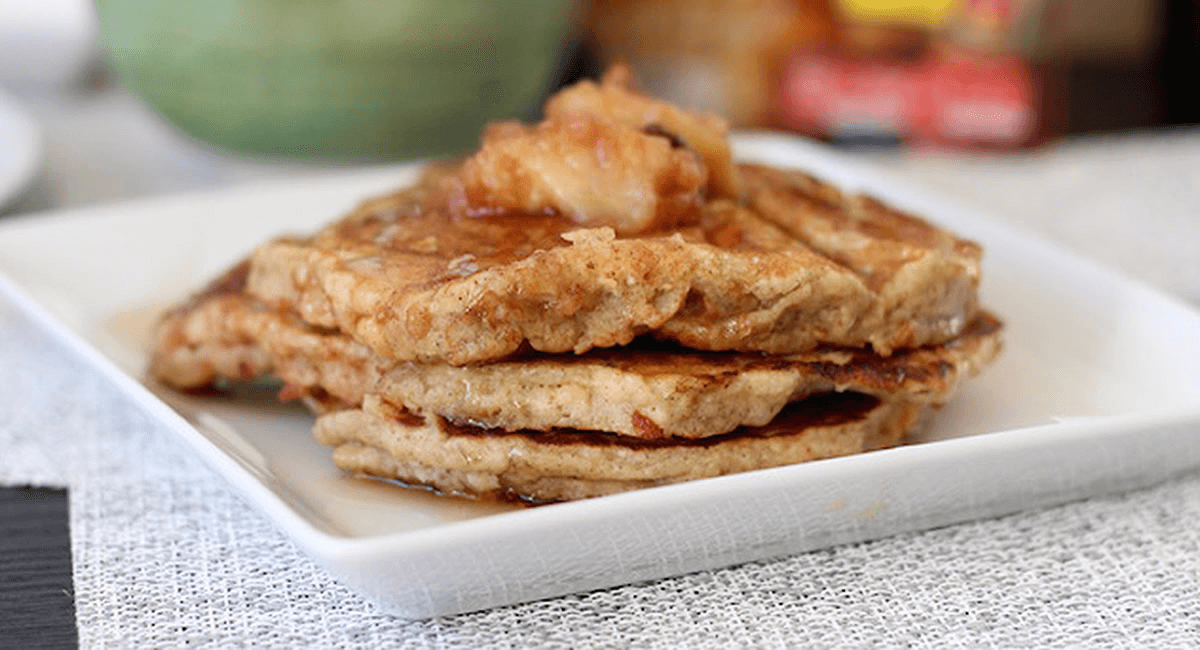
point(980, 100)
point(949, 97)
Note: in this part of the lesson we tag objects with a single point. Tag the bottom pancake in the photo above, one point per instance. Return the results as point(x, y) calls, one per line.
point(382, 441)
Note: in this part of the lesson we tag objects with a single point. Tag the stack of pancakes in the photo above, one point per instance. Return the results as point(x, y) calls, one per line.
point(537, 323)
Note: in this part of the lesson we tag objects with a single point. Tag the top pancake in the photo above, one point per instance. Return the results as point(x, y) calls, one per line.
point(616, 216)
point(794, 265)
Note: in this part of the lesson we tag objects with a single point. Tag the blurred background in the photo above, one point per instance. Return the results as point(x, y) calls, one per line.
point(958, 73)
point(357, 79)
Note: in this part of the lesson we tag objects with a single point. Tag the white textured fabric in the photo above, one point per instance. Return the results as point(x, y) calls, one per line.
point(165, 555)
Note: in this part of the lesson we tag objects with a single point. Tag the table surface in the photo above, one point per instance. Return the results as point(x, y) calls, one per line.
point(164, 554)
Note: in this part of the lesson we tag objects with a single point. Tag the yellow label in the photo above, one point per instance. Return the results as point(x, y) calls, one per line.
point(910, 12)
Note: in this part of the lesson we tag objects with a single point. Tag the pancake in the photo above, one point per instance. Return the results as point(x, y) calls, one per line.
point(382, 441)
point(413, 282)
point(645, 390)
point(616, 216)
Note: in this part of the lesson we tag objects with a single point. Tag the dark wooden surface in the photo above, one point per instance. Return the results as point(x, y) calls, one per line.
point(37, 603)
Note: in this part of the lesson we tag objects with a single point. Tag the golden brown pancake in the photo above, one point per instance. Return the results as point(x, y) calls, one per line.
point(644, 390)
point(415, 282)
point(382, 441)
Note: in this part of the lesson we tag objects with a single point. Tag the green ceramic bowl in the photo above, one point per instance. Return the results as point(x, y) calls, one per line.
point(337, 78)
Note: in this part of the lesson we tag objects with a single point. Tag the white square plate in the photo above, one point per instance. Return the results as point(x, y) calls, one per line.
point(1097, 390)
